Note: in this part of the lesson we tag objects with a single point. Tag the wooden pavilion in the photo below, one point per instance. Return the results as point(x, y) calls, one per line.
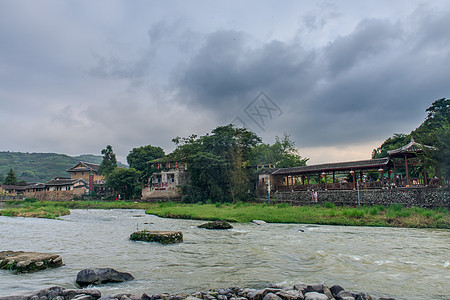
point(389, 172)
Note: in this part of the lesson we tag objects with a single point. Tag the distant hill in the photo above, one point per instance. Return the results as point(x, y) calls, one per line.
point(41, 167)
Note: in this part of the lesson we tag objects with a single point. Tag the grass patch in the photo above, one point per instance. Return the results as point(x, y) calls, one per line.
point(326, 214)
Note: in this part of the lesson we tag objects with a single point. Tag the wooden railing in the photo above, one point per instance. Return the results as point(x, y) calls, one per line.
point(385, 184)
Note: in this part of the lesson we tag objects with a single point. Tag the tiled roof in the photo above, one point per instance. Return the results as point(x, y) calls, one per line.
point(340, 166)
point(411, 147)
point(63, 181)
point(84, 167)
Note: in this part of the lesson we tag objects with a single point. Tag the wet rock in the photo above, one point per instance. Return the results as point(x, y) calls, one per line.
point(259, 222)
point(291, 295)
point(216, 225)
point(315, 296)
point(22, 262)
point(256, 295)
point(57, 293)
point(101, 275)
point(335, 289)
point(320, 288)
point(271, 296)
point(344, 295)
point(301, 287)
point(363, 296)
point(163, 237)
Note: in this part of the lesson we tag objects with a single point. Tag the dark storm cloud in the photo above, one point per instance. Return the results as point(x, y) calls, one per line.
point(376, 80)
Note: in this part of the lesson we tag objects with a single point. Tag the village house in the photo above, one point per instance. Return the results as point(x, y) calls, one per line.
point(86, 171)
point(165, 184)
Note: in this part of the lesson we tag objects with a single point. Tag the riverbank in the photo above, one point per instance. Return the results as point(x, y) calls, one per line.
point(273, 292)
point(325, 214)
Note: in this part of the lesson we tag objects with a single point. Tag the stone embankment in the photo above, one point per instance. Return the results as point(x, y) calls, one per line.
point(297, 292)
point(163, 237)
point(22, 262)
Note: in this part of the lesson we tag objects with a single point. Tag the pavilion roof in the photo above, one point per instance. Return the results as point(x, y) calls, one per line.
point(340, 166)
point(411, 147)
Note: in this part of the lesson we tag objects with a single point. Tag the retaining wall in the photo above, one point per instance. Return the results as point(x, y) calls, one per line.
point(419, 197)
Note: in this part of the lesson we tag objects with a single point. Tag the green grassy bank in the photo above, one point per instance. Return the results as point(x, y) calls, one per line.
point(328, 213)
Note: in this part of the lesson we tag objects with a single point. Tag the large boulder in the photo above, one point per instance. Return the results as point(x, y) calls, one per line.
point(101, 275)
point(216, 225)
point(21, 262)
point(163, 237)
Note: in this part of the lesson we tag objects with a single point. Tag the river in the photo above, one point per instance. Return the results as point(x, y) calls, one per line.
point(397, 262)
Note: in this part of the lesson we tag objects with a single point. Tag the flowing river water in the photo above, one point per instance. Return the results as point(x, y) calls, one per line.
point(397, 262)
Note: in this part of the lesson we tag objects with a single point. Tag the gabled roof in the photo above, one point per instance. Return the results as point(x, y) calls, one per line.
point(84, 167)
point(411, 147)
point(64, 181)
point(340, 166)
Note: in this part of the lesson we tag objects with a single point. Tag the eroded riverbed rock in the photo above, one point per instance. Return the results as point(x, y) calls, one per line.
point(298, 292)
point(56, 292)
point(21, 262)
point(163, 237)
point(216, 225)
point(101, 275)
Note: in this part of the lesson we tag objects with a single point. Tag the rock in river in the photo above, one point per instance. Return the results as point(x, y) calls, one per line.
point(216, 225)
point(21, 262)
point(163, 237)
point(101, 275)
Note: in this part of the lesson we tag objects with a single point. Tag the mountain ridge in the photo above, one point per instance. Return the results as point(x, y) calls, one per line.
point(42, 167)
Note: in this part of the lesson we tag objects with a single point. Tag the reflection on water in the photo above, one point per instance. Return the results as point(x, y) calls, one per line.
point(404, 263)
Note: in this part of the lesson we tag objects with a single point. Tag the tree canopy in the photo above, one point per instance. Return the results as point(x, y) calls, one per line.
point(109, 162)
point(139, 158)
point(434, 131)
point(125, 182)
point(282, 154)
point(10, 178)
point(222, 163)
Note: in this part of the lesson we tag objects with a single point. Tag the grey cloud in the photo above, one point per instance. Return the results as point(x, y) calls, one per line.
point(363, 86)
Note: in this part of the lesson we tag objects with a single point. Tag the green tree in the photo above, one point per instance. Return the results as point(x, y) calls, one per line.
point(394, 142)
point(124, 182)
point(10, 178)
point(109, 162)
point(282, 154)
point(217, 163)
point(139, 158)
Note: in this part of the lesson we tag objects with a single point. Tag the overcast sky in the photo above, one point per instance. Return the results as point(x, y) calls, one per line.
point(338, 76)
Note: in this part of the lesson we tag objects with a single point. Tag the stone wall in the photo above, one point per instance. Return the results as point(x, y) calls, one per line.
point(420, 197)
point(170, 193)
point(51, 195)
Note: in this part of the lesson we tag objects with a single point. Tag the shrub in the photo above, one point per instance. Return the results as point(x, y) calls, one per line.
point(329, 205)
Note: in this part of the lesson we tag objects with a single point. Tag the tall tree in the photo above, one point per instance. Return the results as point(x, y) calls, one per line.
point(217, 163)
point(109, 162)
point(10, 178)
point(282, 154)
point(139, 158)
point(125, 182)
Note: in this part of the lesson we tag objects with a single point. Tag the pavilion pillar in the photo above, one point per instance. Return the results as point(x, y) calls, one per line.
point(354, 179)
point(389, 176)
point(407, 173)
point(425, 181)
point(319, 181)
point(395, 172)
point(334, 178)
